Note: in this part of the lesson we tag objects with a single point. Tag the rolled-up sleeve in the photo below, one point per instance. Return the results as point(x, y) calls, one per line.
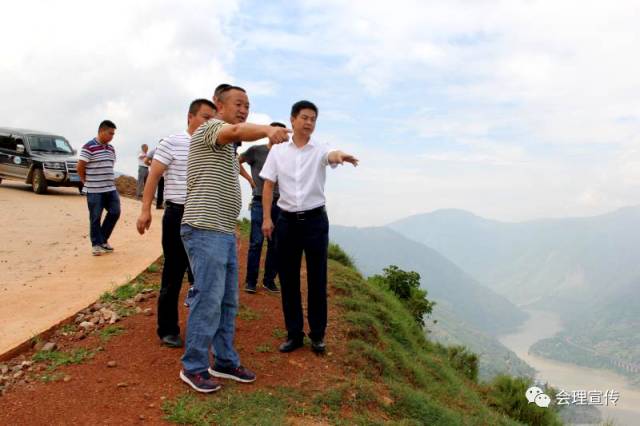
point(270, 169)
point(325, 156)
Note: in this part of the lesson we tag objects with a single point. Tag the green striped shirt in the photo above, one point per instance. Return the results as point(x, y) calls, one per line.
point(213, 189)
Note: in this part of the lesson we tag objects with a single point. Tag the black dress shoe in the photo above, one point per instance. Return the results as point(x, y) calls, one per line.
point(291, 345)
point(172, 341)
point(318, 346)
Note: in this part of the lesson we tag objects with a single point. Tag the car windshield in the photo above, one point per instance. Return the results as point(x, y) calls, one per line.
point(53, 144)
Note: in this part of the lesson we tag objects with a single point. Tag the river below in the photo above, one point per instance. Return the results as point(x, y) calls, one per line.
point(571, 377)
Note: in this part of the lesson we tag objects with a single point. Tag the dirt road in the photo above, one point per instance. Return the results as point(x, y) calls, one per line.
point(47, 272)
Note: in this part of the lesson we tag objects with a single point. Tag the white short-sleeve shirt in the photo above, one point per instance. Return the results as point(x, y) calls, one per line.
point(173, 152)
point(300, 174)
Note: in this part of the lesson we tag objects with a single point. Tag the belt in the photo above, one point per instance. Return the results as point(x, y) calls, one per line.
point(174, 205)
point(307, 214)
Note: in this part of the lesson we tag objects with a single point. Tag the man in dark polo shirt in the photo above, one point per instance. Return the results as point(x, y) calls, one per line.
point(299, 168)
point(208, 232)
point(255, 157)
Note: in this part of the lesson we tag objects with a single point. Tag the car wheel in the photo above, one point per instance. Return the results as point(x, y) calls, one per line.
point(38, 182)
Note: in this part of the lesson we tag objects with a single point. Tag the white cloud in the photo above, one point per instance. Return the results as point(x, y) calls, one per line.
point(74, 63)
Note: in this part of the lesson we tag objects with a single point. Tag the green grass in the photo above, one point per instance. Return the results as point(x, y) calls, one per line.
point(229, 408)
point(55, 359)
point(279, 333)
point(121, 293)
point(124, 311)
point(244, 226)
point(50, 377)
point(385, 342)
point(110, 331)
point(393, 375)
point(336, 253)
point(264, 348)
point(247, 314)
point(68, 328)
point(154, 267)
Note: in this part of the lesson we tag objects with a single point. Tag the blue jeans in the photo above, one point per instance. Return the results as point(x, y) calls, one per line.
point(213, 299)
point(256, 240)
point(109, 201)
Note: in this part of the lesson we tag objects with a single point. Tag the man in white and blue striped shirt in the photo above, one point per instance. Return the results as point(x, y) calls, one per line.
point(95, 167)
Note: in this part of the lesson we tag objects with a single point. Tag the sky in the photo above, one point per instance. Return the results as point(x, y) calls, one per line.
point(514, 110)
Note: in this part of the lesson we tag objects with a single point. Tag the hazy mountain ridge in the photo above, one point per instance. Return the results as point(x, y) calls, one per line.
point(448, 329)
point(467, 313)
point(585, 269)
point(558, 263)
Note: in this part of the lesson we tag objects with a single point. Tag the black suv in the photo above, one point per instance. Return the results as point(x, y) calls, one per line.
point(37, 158)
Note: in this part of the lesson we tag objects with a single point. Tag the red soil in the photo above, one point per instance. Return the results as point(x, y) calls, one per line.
point(146, 374)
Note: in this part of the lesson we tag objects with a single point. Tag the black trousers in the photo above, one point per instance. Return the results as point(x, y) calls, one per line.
point(160, 193)
point(293, 237)
point(176, 263)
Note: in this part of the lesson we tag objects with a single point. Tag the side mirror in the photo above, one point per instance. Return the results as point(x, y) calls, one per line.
point(20, 148)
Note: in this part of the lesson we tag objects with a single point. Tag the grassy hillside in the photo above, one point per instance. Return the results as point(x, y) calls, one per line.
point(394, 376)
point(375, 248)
point(467, 313)
point(494, 358)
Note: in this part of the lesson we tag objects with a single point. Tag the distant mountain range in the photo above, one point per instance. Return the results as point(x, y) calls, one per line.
point(567, 265)
point(378, 247)
point(466, 312)
point(481, 271)
point(585, 269)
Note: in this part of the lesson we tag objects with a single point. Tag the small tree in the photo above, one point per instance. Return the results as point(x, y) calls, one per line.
point(406, 286)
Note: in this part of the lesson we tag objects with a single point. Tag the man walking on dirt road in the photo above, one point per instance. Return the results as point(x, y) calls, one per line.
point(170, 160)
point(208, 233)
point(95, 167)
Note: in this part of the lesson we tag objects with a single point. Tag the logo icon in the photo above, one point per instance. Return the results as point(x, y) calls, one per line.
point(536, 395)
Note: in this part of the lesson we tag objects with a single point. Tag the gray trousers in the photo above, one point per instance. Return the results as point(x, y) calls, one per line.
point(143, 172)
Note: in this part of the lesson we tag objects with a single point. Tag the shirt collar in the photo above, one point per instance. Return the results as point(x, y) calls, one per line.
point(311, 143)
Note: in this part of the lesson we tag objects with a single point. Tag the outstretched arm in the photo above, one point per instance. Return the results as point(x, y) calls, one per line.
point(248, 132)
point(339, 157)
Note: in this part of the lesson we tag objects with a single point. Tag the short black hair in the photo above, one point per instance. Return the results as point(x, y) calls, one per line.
point(228, 87)
point(277, 124)
point(197, 104)
point(300, 105)
point(106, 124)
point(221, 88)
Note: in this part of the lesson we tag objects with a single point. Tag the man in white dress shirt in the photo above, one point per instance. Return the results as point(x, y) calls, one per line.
point(299, 168)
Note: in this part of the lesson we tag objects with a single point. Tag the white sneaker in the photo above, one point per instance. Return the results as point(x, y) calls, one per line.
point(107, 247)
point(98, 250)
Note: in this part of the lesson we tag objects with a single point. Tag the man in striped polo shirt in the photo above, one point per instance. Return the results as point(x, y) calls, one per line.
point(170, 160)
point(95, 167)
point(208, 232)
